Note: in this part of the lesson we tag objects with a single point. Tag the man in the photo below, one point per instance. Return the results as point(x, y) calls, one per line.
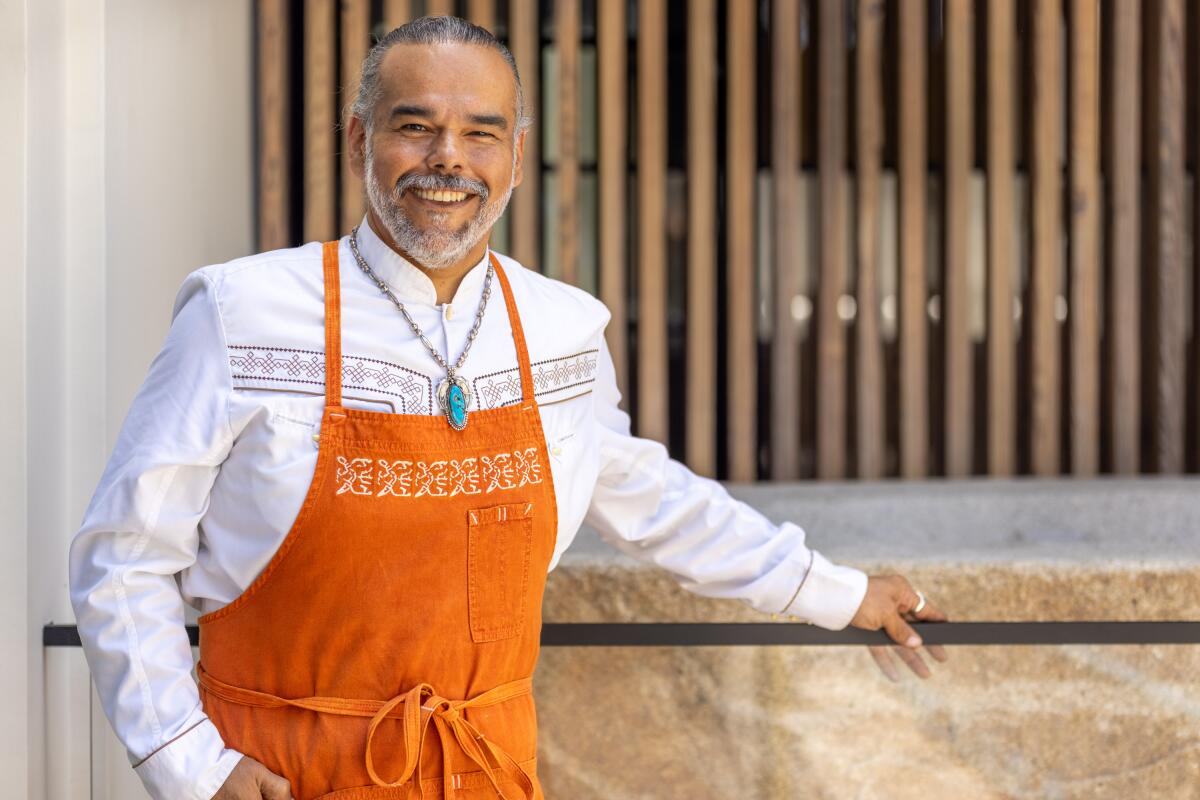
point(359, 460)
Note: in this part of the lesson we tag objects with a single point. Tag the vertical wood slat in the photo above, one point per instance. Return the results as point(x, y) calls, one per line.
point(785, 151)
point(701, 414)
point(1084, 313)
point(1123, 21)
point(741, 168)
point(869, 441)
point(439, 8)
point(525, 44)
point(612, 165)
point(1193, 134)
point(831, 334)
point(1001, 349)
point(396, 13)
point(320, 148)
point(482, 13)
point(1046, 195)
point(651, 238)
point(274, 189)
point(1165, 294)
point(356, 36)
point(914, 393)
point(566, 28)
point(960, 140)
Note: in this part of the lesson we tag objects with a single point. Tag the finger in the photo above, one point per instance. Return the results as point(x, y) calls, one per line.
point(905, 595)
point(901, 632)
point(914, 661)
point(938, 652)
point(884, 660)
point(273, 786)
point(930, 613)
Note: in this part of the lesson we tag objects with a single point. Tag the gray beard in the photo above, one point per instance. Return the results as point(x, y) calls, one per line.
point(435, 247)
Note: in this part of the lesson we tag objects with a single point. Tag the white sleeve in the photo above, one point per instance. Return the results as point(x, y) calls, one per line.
point(655, 509)
point(140, 529)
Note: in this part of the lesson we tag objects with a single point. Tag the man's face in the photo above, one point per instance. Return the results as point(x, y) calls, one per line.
point(443, 156)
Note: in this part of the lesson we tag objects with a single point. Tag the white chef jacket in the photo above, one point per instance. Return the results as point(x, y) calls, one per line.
point(217, 451)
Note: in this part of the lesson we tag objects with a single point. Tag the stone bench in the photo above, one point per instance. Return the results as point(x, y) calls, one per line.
point(1070, 721)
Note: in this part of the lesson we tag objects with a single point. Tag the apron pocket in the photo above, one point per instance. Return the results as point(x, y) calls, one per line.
point(499, 543)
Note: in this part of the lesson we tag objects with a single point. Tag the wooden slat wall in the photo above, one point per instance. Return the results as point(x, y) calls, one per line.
point(524, 41)
point(868, 345)
point(482, 13)
point(396, 13)
point(1001, 407)
point(787, 253)
point(320, 149)
point(831, 335)
point(741, 354)
point(914, 388)
point(566, 28)
point(701, 416)
point(1193, 136)
point(1046, 179)
point(1123, 248)
point(1084, 315)
point(960, 141)
point(274, 148)
point(356, 41)
point(612, 43)
point(1164, 268)
point(1123, 226)
point(652, 238)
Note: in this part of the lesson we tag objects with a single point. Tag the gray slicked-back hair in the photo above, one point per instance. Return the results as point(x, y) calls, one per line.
point(429, 30)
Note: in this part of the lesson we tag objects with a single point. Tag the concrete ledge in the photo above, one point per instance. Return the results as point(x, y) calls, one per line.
point(1068, 550)
point(994, 722)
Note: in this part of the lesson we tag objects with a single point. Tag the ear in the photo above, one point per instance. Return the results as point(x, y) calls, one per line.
point(356, 141)
point(518, 167)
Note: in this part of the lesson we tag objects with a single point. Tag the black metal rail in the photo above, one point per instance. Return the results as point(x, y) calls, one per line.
point(709, 634)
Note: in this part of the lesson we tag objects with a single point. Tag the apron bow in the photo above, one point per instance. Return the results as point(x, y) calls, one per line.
point(422, 705)
point(418, 707)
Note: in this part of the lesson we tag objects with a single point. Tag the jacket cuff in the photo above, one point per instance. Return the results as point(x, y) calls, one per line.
point(193, 766)
point(829, 594)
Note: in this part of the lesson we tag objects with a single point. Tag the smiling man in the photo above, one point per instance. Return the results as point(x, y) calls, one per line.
point(360, 459)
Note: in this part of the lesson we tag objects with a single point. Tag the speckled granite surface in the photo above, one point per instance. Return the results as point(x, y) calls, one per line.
point(993, 722)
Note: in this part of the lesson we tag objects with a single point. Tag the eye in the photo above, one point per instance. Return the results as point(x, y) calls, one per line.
point(413, 126)
point(483, 133)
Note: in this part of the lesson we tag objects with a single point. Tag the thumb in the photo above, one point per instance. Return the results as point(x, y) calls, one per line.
point(901, 632)
point(273, 786)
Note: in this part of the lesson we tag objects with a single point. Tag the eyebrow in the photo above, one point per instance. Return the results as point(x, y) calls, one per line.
point(494, 120)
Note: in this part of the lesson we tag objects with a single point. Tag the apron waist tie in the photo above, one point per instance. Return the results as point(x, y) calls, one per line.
point(416, 708)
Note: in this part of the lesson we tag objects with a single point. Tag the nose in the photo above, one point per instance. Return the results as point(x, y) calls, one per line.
point(445, 154)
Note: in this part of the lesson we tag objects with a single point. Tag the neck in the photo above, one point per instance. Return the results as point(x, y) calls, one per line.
point(445, 280)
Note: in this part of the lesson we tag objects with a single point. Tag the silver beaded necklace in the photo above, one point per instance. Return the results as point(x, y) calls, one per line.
point(453, 393)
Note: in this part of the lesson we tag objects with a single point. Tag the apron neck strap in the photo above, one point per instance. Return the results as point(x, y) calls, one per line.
point(333, 329)
point(514, 321)
point(333, 326)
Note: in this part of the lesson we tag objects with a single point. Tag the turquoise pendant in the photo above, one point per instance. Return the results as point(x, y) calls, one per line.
point(454, 396)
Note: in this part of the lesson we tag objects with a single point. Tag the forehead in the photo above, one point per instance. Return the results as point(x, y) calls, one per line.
point(448, 78)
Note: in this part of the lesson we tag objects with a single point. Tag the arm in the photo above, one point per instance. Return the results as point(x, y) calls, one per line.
point(655, 509)
point(140, 529)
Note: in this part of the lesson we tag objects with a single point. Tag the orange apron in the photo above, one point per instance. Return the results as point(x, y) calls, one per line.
point(387, 648)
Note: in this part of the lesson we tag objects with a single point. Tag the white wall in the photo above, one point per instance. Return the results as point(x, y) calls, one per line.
point(128, 164)
point(16, 628)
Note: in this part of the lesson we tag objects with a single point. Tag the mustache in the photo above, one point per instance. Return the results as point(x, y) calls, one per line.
point(449, 183)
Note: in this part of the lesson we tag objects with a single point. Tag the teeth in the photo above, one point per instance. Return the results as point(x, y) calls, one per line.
point(441, 195)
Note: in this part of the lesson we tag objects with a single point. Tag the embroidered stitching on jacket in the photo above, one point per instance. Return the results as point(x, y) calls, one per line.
point(503, 388)
point(290, 365)
point(447, 478)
